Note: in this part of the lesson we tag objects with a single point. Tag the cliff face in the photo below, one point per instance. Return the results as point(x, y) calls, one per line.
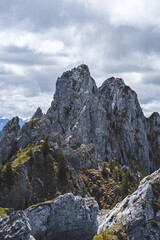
point(109, 120)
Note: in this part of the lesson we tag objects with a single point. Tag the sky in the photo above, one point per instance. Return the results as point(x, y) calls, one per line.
point(39, 40)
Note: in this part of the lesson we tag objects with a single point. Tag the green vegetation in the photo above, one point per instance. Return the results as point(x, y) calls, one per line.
point(156, 191)
point(8, 174)
point(26, 154)
point(31, 122)
point(3, 212)
point(115, 175)
point(110, 234)
point(117, 199)
point(62, 168)
point(111, 165)
point(104, 171)
point(1, 174)
point(45, 145)
point(125, 186)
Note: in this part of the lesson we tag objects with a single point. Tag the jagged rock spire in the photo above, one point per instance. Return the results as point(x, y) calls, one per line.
point(38, 113)
point(8, 140)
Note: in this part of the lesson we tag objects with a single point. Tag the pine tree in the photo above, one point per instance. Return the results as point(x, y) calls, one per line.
point(104, 171)
point(124, 188)
point(110, 165)
point(1, 174)
point(62, 167)
point(45, 145)
point(115, 175)
point(8, 174)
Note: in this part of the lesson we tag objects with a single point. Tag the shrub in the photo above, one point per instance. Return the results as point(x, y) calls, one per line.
point(31, 122)
point(120, 175)
point(111, 165)
point(115, 175)
point(1, 174)
point(117, 199)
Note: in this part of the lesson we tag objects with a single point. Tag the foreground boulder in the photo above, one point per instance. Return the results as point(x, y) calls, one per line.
point(138, 215)
point(68, 217)
point(16, 227)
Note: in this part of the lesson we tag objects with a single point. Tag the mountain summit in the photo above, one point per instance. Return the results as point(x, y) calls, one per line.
point(108, 120)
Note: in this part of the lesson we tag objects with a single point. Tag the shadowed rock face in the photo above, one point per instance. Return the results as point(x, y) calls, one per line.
point(68, 217)
point(139, 213)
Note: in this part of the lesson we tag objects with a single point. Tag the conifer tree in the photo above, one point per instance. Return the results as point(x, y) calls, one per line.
point(45, 145)
point(124, 188)
point(8, 174)
point(62, 167)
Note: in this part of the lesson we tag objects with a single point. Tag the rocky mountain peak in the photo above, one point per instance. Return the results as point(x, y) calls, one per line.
point(9, 139)
point(155, 117)
point(108, 119)
point(38, 113)
point(77, 80)
point(11, 126)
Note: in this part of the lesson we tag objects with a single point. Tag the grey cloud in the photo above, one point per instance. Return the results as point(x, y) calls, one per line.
point(42, 15)
point(153, 78)
point(24, 56)
point(32, 85)
point(106, 49)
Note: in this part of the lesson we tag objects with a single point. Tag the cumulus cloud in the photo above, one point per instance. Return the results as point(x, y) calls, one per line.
point(40, 40)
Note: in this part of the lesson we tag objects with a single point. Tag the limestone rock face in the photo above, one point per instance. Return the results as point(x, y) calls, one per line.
point(68, 217)
point(108, 122)
point(128, 125)
point(8, 141)
point(139, 213)
point(15, 227)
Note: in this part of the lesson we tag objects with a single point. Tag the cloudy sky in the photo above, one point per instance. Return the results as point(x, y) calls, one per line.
point(39, 40)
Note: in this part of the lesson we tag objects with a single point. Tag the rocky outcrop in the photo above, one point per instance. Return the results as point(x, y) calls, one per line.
point(15, 227)
point(38, 114)
point(8, 141)
point(138, 215)
point(68, 217)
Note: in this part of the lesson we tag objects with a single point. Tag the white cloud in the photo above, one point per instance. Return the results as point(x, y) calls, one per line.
point(37, 44)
